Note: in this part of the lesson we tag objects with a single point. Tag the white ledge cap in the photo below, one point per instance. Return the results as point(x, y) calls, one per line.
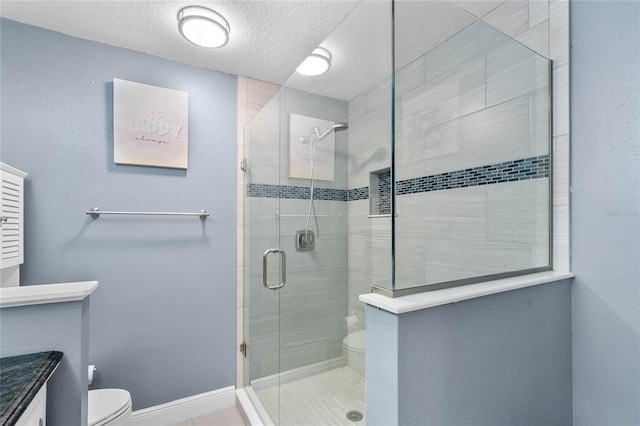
point(7, 168)
point(430, 299)
point(45, 293)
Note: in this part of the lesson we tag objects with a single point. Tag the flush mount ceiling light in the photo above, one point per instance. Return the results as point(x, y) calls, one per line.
point(203, 27)
point(317, 63)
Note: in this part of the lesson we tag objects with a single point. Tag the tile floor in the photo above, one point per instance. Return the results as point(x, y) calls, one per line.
point(320, 400)
point(229, 416)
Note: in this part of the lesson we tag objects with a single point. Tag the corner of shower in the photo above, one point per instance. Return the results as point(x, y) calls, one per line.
point(431, 169)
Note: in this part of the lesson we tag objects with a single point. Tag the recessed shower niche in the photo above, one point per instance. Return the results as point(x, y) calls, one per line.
point(380, 192)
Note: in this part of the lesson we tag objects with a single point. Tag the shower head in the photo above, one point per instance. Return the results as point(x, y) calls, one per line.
point(337, 127)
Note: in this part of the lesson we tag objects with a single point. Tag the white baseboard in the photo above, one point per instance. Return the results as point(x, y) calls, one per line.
point(297, 374)
point(180, 409)
point(197, 405)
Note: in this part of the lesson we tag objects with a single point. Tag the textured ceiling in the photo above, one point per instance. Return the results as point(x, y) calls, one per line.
point(269, 38)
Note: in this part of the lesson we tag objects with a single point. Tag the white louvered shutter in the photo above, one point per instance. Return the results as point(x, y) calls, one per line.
point(12, 220)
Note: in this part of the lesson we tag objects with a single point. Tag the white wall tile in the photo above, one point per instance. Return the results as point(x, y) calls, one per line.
point(449, 96)
point(561, 200)
point(478, 8)
point(410, 261)
point(561, 100)
point(561, 168)
point(559, 51)
point(369, 146)
point(465, 46)
point(540, 122)
point(457, 214)
point(537, 38)
point(356, 107)
point(378, 97)
point(490, 136)
point(410, 77)
point(460, 202)
point(511, 17)
point(518, 212)
point(450, 260)
point(538, 12)
point(540, 256)
point(454, 95)
point(514, 70)
point(559, 32)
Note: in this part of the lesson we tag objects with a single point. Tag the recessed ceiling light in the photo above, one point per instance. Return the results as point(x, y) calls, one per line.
point(203, 27)
point(317, 63)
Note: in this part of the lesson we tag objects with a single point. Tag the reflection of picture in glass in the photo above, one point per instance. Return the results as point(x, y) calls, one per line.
point(150, 125)
point(303, 137)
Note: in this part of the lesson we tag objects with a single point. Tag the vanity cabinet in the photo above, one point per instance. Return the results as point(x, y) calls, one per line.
point(23, 400)
point(12, 223)
point(36, 412)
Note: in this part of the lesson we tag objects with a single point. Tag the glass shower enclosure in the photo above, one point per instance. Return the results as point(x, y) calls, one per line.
point(420, 161)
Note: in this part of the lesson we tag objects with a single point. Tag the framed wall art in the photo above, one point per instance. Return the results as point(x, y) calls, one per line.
point(150, 125)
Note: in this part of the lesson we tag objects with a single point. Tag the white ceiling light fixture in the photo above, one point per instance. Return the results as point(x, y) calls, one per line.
point(317, 63)
point(203, 27)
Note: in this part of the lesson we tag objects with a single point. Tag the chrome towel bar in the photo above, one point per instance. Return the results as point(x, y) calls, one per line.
point(96, 212)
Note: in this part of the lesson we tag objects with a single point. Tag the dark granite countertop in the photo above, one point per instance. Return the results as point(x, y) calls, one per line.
point(21, 377)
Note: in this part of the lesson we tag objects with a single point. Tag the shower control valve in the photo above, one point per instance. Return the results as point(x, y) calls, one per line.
point(305, 240)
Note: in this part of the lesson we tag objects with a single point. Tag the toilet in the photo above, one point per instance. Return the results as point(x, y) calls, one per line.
point(109, 407)
point(353, 346)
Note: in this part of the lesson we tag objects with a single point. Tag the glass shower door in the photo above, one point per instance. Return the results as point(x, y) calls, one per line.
point(295, 251)
point(264, 268)
point(314, 152)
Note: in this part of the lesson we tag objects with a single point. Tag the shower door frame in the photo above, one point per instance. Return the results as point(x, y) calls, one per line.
point(248, 281)
point(279, 206)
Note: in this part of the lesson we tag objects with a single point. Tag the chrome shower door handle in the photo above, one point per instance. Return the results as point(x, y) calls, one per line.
point(283, 269)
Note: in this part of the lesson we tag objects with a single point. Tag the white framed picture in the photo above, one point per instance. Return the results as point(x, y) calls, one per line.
point(150, 125)
point(303, 135)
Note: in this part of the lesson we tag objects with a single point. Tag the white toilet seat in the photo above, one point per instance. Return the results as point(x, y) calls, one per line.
point(109, 406)
point(355, 341)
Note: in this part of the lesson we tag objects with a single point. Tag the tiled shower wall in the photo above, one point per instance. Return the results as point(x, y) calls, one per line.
point(304, 322)
point(540, 25)
point(479, 101)
point(473, 118)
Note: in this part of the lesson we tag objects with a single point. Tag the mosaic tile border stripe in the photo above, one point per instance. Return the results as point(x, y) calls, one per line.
point(295, 192)
point(359, 194)
point(508, 171)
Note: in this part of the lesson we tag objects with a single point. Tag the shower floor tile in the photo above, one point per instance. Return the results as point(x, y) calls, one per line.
point(320, 400)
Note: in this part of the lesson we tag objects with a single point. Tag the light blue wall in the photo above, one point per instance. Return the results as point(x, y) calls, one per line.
point(503, 359)
point(62, 327)
point(381, 368)
point(162, 321)
point(605, 206)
